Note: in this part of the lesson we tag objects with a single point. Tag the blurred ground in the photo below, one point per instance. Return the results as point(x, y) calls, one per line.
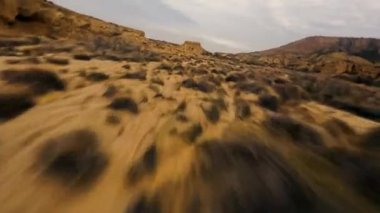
point(95, 117)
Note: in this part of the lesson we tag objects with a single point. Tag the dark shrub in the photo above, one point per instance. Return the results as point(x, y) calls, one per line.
point(251, 87)
point(57, 61)
point(358, 108)
point(236, 77)
point(97, 76)
point(337, 127)
point(82, 57)
point(12, 105)
point(124, 103)
point(202, 86)
point(193, 133)
point(242, 109)
point(228, 168)
point(165, 66)
point(145, 204)
point(212, 113)
point(291, 92)
point(270, 102)
point(74, 158)
point(144, 166)
point(110, 92)
point(298, 132)
point(157, 81)
point(138, 75)
point(41, 81)
point(360, 171)
point(371, 140)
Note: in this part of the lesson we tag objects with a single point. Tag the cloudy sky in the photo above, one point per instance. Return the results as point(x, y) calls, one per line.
point(238, 25)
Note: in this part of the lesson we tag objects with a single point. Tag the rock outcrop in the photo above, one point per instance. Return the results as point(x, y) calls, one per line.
point(193, 47)
point(10, 9)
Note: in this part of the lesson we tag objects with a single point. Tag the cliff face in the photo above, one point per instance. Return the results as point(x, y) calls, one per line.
point(37, 17)
point(193, 47)
point(10, 9)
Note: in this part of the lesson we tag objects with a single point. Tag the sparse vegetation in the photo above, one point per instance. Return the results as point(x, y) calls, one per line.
point(212, 113)
point(12, 105)
point(73, 158)
point(270, 102)
point(97, 76)
point(202, 86)
point(144, 166)
point(371, 140)
point(110, 92)
point(82, 57)
point(124, 103)
point(251, 87)
point(299, 133)
point(58, 61)
point(243, 110)
point(194, 132)
point(138, 75)
point(165, 66)
point(40, 81)
point(157, 81)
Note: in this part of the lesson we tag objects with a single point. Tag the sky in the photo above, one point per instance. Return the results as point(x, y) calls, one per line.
point(237, 25)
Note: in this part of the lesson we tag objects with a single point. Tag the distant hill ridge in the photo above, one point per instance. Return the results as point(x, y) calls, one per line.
point(368, 48)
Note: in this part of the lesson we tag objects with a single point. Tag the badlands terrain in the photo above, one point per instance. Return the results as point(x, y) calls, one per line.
point(95, 117)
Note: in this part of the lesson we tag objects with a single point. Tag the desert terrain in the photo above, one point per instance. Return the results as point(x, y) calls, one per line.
point(95, 117)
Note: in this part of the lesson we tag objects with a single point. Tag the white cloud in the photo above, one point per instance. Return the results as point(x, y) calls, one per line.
point(239, 25)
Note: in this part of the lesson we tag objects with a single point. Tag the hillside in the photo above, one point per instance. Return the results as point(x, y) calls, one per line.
point(367, 48)
point(95, 117)
point(352, 59)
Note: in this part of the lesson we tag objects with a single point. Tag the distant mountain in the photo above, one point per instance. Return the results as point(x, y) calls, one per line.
point(368, 48)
